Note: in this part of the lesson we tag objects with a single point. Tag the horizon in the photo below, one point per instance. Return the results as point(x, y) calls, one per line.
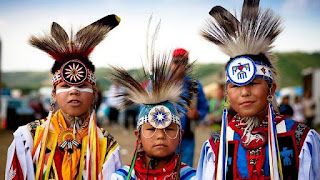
point(125, 45)
point(134, 68)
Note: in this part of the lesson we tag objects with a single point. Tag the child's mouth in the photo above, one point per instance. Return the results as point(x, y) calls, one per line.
point(160, 146)
point(74, 102)
point(247, 103)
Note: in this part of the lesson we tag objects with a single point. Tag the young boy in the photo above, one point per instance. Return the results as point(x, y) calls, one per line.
point(158, 134)
point(67, 144)
point(257, 143)
point(159, 130)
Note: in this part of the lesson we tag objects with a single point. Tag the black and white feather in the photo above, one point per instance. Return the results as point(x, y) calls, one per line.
point(164, 85)
point(76, 46)
point(253, 34)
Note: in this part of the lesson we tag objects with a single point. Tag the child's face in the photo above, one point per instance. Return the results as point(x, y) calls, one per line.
point(74, 102)
point(251, 99)
point(159, 142)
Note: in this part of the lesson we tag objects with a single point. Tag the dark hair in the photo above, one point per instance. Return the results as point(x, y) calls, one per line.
point(181, 58)
point(57, 65)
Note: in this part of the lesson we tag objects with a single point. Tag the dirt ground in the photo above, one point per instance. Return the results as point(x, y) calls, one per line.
point(126, 139)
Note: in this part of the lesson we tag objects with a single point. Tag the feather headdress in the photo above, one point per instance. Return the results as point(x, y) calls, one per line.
point(71, 54)
point(63, 48)
point(253, 34)
point(165, 84)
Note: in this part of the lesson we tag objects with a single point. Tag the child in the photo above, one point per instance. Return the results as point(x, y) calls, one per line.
point(67, 144)
point(257, 143)
point(159, 130)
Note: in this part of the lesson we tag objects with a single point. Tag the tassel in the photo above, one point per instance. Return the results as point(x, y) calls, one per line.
point(223, 149)
point(90, 154)
point(43, 148)
point(274, 155)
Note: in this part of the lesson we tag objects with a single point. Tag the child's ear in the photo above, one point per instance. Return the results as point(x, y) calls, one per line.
point(53, 93)
point(182, 132)
point(273, 88)
point(136, 133)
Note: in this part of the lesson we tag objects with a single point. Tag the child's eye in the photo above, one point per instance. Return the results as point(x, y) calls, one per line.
point(169, 129)
point(83, 85)
point(151, 129)
point(234, 86)
point(65, 86)
point(254, 83)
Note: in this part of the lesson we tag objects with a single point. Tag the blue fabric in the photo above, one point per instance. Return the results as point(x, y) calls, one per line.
point(187, 151)
point(309, 158)
point(266, 166)
point(289, 124)
point(187, 173)
point(202, 104)
point(145, 109)
point(123, 172)
point(241, 158)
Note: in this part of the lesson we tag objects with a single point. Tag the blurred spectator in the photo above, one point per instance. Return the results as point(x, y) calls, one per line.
point(298, 110)
point(216, 105)
point(197, 111)
point(309, 108)
point(285, 108)
point(131, 114)
point(113, 102)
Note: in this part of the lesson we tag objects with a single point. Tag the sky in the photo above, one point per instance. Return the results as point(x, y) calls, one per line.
point(181, 22)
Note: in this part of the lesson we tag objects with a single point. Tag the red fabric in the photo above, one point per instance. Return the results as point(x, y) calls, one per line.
point(179, 52)
point(168, 171)
point(58, 158)
point(16, 168)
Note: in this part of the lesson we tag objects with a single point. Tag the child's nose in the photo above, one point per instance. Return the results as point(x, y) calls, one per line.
point(245, 91)
point(74, 92)
point(160, 134)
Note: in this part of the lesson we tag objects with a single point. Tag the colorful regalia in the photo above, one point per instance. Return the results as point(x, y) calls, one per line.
point(248, 147)
point(140, 170)
point(161, 106)
point(48, 148)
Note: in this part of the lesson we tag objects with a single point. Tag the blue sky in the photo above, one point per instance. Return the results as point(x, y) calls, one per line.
point(181, 22)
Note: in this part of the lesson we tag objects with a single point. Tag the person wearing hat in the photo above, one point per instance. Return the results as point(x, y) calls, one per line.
point(67, 144)
point(258, 143)
point(198, 108)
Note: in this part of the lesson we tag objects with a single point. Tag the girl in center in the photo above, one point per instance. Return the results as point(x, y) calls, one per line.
point(158, 128)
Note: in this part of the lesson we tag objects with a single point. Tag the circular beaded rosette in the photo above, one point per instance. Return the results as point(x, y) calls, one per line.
point(67, 140)
point(160, 117)
point(74, 72)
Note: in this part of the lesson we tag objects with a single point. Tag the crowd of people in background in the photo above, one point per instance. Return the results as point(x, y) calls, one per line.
point(301, 110)
point(250, 139)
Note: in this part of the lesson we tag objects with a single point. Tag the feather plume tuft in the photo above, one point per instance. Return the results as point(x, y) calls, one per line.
point(253, 34)
point(63, 48)
point(165, 84)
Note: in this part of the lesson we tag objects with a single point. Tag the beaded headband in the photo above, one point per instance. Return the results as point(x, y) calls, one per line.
point(74, 73)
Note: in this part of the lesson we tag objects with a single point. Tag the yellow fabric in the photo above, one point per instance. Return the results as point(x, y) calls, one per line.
point(72, 164)
point(70, 161)
point(103, 150)
point(51, 144)
point(83, 153)
point(42, 154)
